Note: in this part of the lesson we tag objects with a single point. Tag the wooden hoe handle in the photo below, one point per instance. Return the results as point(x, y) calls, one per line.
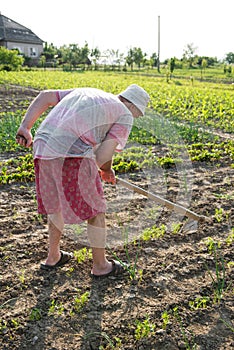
point(170, 205)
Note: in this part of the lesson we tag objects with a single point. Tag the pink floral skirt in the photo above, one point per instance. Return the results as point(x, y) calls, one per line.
point(71, 186)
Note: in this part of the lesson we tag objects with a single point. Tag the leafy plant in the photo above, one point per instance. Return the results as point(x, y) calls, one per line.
point(35, 314)
point(55, 308)
point(79, 301)
point(166, 319)
point(82, 255)
point(153, 232)
point(230, 238)
point(199, 303)
point(144, 329)
point(219, 214)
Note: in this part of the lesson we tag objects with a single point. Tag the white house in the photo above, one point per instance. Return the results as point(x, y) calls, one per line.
point(15, 36)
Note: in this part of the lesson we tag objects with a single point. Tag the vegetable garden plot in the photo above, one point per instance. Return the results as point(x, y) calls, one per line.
point(178, 292)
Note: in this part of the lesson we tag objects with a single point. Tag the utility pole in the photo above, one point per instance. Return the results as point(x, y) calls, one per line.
point(158, 44)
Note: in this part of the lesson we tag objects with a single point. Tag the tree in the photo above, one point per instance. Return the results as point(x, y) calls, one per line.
point(49, 51)
point(10, 59)
point(84, 55)
point(130, 58)
point(203, 66)
point(229, 58)
point(42, 61)
point(154, 59)
point(135, 55)
point(114, 57)
point(95, 55)
point(189, 54)
point(138, 56)
point(172, 64)
point(211, 61)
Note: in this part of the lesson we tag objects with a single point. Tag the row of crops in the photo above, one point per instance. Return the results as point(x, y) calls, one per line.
point(181, 115)
point(210, 105)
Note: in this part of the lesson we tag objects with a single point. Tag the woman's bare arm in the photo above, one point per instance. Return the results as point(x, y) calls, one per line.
point(44, 100)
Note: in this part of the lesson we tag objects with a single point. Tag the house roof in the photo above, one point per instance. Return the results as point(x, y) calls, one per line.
point(13, 31)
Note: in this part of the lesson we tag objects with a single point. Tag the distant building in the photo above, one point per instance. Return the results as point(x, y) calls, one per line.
point(15, 36)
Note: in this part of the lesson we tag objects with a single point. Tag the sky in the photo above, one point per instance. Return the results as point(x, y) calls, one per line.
point(124, 24)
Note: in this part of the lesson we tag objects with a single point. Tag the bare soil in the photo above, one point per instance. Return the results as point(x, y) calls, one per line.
point(38, 309)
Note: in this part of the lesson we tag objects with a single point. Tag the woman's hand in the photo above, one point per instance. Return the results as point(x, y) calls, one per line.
point(24, 137)
point(108, 176)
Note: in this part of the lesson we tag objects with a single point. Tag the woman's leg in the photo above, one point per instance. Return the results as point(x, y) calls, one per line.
point(55, 227)
point(96, 230)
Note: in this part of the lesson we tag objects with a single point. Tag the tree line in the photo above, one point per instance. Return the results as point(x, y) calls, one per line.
point(72, 57)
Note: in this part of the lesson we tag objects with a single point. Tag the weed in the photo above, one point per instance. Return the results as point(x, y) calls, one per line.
point(115, 344)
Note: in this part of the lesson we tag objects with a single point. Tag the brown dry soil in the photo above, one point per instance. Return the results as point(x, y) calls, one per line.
point(173, 273)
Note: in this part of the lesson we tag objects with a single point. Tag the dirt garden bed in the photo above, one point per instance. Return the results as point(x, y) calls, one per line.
point(173, 301)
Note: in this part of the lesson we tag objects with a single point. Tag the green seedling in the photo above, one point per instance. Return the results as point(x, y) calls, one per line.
point(35, 314)
point(80, 300)
point(3, 326)
point(219, 212)
point(166, 319)
point(176, 227)
point(212, 245)
point(228, 325)
point(219, 280)
point(82, 255)
point(189, 345)
point(153, 232)
point(69, 272)
point(144, 329)
point(14, 322)
point(55, 308)
point(230, 238)
point(199, 303)
point(22, 277)
point(130, 267)
point(230, 264)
